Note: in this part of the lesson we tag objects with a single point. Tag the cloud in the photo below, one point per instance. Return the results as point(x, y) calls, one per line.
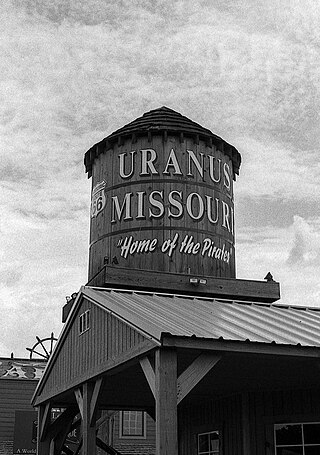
point(271, 169)
point(306, 244)
point(5, 350)
point(290, 253)
point(73, 71)
point(10, 276)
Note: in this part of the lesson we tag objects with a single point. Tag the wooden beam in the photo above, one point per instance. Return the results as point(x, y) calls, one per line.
point(228, 288)
point(166, 402)
point(94, 400)
point(88, 427)
point(105, 417)
point(44, 420)
point(79, 399)
point(194, 373)
point(243, 347)
point(149, 373)
point(52, 447)
point(43, 441)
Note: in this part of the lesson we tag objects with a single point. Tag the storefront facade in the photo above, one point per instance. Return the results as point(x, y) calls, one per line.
point(18, 419)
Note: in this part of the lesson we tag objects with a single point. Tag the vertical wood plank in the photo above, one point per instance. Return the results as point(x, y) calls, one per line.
point(166, 402)
point(246, 449)
point(43, 443)
point(88, 431)
point(149, 373)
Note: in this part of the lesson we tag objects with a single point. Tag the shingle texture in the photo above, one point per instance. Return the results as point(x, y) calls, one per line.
point(159, 120)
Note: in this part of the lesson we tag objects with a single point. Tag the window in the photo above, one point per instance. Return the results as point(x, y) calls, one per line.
point(297, 439)
point(208, 443)
point(132, 424)
point(84, 322)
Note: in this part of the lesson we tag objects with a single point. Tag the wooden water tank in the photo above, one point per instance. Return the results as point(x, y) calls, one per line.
point(162, 198)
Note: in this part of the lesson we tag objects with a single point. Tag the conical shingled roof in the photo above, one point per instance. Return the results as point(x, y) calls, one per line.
point(166, 120)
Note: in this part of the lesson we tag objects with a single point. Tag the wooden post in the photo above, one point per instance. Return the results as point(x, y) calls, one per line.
point(43, 441)
point(89, 424)
point(166, 402)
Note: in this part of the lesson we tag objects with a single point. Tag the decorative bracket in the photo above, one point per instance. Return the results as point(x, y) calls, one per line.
point(189, 378)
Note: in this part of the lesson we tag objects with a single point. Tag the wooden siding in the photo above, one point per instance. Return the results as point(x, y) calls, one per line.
point(109, 432)
point(14, 395)
point(106, 344)
point(135, 446)
point(105, 235)
point(223, 415)
point(268, 408)
point(264, 408)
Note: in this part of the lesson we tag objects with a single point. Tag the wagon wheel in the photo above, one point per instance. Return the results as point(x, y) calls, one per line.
point(43, 348)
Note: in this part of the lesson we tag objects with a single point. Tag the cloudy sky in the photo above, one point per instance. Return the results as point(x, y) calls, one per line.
point(73, 71)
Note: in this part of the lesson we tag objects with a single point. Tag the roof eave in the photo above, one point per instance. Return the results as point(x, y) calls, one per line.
point(244, 347)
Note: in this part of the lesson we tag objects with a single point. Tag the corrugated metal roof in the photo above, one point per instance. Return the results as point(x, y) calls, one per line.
point(230, 320)
point(163, 119)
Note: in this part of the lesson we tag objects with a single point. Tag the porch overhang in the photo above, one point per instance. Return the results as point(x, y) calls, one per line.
point(245, 347)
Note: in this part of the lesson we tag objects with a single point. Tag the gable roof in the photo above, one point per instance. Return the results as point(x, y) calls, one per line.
point(230, 320)
point(157, 317)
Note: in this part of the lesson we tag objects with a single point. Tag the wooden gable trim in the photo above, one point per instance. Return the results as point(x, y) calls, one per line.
point(58, 345)
point(140, 350)
point(244, 347)
point(95, 299)
point(151, 342)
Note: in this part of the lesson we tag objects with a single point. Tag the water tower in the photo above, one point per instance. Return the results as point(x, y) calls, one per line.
point(162, 208)
point(162, 198)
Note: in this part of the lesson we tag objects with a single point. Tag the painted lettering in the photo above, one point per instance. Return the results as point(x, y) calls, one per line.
point(122, 165)
point(190, 209)
point(227, 176)
point(148, 158)
point(212, 169)
point(117, 210)
point(193, 159)
point(226, 216)
point(212, 219)
point(176, 204)
point(140, 209)
point(172, 162)
point(169, 245)
point(155, 203)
